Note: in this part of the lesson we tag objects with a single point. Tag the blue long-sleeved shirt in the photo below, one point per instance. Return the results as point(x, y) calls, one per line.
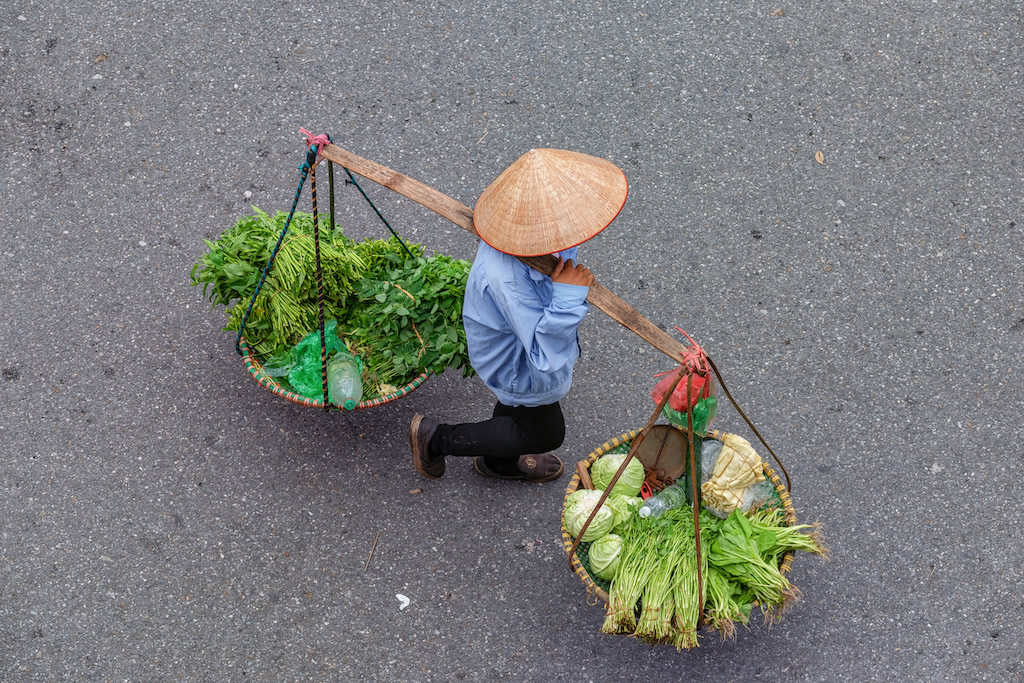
point(521, 328)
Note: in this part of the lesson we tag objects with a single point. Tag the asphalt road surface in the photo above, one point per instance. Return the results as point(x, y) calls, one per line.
point(163, 518)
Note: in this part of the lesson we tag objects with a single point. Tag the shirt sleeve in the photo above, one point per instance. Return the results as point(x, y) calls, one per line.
point(548, 333)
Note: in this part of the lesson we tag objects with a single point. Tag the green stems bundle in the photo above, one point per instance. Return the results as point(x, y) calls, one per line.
point(740, 561)
point(658, 603)
point(635, 567)
point(402, 314)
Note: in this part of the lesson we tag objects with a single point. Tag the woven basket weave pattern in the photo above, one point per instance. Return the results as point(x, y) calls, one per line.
point(255, 369)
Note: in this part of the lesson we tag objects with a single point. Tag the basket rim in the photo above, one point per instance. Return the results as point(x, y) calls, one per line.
point(627, 437)
point(254, 367)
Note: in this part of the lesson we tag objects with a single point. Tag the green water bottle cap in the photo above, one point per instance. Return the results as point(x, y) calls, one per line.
point(350, 404)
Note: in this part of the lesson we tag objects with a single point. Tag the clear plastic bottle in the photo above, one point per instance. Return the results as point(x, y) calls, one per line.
point(344, 380)
point(672, 496)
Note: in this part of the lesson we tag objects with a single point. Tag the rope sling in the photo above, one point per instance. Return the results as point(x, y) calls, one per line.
point(315, 143)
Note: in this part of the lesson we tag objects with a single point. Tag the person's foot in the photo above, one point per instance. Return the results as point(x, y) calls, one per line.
point(536, 468)
point(420, 430)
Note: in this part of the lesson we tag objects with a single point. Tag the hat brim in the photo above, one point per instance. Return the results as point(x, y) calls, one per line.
point(549, 200)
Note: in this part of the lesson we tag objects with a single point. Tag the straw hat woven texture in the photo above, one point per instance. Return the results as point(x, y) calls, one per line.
point(549, 200)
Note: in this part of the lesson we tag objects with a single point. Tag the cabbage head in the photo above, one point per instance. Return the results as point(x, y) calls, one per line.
point(575, 497)
point(573, 501)
point(602, 471)
point(604, 556)
point(576, 514)
point(623, 508)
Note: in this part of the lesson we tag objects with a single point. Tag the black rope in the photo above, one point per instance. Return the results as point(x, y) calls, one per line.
point(330, 189)
point(303, 172)
point(352, 180)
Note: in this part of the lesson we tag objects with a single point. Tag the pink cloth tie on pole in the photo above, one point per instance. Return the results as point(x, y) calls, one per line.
point(318, 140)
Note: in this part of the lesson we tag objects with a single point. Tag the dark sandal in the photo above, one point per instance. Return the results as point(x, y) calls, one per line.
point(536, 468)
point(420, 430)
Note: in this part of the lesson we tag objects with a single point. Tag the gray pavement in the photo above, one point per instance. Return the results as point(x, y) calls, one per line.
point(163, 518)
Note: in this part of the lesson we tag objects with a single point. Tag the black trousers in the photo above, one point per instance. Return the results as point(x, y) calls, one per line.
point(509, 433)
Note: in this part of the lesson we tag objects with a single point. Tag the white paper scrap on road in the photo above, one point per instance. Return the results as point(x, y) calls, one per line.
point(404, 600)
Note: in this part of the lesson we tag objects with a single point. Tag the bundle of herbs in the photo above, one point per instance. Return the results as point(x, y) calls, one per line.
point(401, 314)
point(654, 594)
point(408, 319)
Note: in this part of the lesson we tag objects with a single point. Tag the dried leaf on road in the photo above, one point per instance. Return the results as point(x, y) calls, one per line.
point(819, 156)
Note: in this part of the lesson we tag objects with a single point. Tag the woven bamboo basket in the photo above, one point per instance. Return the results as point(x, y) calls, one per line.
point(577, 565)
point(255, 369)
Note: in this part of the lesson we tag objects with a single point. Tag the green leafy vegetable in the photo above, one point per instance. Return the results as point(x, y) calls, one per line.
point(654, 594)
point(636, 564)
point(576, 515)
point(623, 507)
point(604, 555)
point(722, 607)
point(602, 472)
point(414, 311)
point(402, 315)
point(735, 551)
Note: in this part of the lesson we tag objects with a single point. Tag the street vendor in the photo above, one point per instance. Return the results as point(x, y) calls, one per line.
point(521, 325)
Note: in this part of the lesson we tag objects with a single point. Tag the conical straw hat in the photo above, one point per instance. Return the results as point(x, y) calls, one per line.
point(549, 200)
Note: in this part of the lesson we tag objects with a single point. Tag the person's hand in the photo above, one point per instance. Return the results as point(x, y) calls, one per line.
point(568, 273)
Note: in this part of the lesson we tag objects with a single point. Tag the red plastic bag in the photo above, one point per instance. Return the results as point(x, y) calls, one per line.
point(699, 388)
point(699, 379)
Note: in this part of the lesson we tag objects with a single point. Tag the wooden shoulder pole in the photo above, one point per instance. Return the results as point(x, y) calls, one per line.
point(438, 202)
point(462, 216)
